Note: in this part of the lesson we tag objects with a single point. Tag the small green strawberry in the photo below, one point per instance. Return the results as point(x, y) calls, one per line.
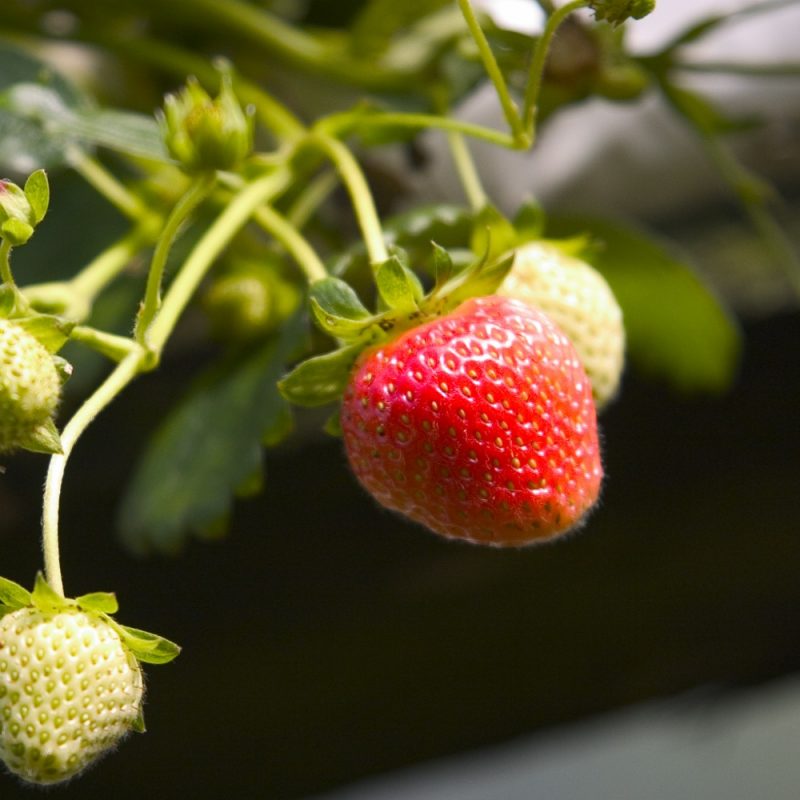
point(30, 386)
point(578, 299)
point(70, 682)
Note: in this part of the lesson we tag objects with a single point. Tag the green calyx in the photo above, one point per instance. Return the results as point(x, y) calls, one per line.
point(205, 134)
point(617, 11)
point(401, 304)
point(21, 210)
point(148, 648)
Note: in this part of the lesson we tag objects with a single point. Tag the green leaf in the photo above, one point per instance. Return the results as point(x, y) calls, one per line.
point(676, 328)
point(337, 309)
point(25, 141)
point(42, 117)
point(397, 285)
point(16, 232)
point(492, 233)
point(483, 276)
point(207, 448)
point(43, 439)
point(379, 20)
point(53, 332)
point(148, 647)
point(102, 602)
point(13, 595)
point(37, 190)
point(529, 221)
point(442, 264)
point(320, 380)
point(45, 598)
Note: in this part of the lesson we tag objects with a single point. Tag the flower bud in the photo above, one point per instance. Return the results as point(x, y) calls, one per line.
point(204, 133)
point(248, 302)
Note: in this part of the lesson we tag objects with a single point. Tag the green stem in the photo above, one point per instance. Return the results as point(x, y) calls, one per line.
point(215, 239)
point(194, 195)
point(536, 71)
point(5, 264)
point(296, 244)
point(495, 74)
point(335, 124)
point(110, 345)
point(465, 165)
point(359, 191)
point(97, 176)
point(312, 196)
point(122, 375)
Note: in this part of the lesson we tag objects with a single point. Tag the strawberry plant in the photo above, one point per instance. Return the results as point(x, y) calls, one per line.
point(461, 352)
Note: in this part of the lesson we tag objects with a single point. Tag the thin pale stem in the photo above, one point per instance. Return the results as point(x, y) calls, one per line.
point(5, 263)
point(465, 165)
point(510, 110)
point(398, 119)
point(536, 70)
point(121, 376)
point(296, 244)
point(216, 238)
point(197, 192)
point(359, 191)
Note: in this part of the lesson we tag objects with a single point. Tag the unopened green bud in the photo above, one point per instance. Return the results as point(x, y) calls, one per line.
point(248, 302)
point(21, 210)
point(617, 11)
point(204, 133)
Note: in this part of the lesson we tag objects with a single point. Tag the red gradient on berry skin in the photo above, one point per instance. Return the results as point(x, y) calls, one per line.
point(479, 425)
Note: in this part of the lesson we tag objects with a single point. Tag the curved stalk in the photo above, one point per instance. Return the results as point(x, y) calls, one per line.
point(121, 376)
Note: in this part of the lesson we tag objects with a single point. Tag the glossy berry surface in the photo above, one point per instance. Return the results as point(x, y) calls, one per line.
point(479, 425)
point(69, 690)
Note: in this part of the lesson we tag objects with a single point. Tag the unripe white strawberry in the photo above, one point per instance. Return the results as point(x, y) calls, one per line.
point(30, 385)
point(578, 299)
point(69, 691)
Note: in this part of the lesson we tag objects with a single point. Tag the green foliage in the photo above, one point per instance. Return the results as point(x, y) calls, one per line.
point(43, 116)
point(207, 448)
point(676, 329)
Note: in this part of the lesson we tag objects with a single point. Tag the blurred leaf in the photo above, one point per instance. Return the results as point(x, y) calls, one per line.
point(676, 328)
point(24, 144)
point(206, 449)
point(379, 20)
point(52, 332)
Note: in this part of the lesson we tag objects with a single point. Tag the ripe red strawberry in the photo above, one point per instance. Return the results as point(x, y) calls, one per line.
point(479, 425)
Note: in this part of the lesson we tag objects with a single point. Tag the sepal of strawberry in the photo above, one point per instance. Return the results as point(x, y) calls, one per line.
point(70, 681)
point(617, 11)
point(402, 304)
point(21, 210)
